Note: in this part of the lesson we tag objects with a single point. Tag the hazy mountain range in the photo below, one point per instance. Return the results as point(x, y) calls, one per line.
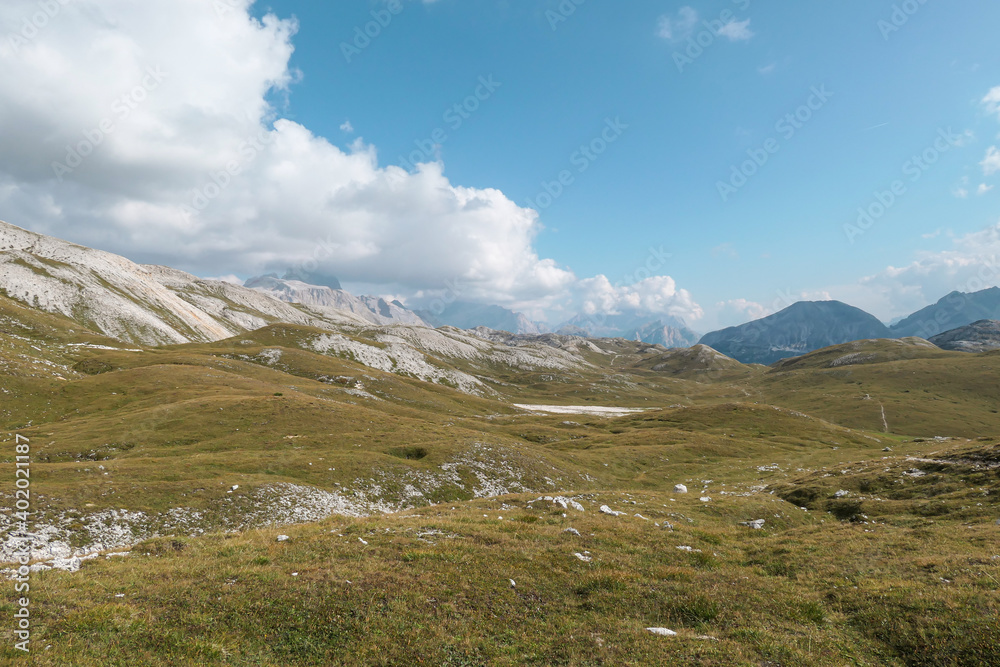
point(666, 330)
point(798, 329)
point(807, 326)
point(160, 305)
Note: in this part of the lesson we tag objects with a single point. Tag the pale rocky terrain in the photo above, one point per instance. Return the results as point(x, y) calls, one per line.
point(374, 310)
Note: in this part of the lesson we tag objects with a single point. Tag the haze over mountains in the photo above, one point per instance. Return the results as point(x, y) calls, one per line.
point(807, 326)
point(952, 311)
point(798, 329)
point(668, 331)
point(159, 305)
point(373, 309)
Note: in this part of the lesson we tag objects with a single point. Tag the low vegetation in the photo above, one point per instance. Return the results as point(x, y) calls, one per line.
point(427, 525)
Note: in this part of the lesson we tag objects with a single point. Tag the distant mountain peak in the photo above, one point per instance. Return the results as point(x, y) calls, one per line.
point(955, 310)
point(666, 330)
point(310, 278)
point(466, 315)
point(375, 310)
point(801, 328)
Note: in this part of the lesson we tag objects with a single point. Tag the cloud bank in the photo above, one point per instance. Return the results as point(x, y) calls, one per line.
point(145, 129)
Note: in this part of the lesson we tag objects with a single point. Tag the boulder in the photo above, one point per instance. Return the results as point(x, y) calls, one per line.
point(663, 632)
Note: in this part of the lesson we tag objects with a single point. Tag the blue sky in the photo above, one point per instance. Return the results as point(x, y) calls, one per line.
point(892, 90)
point(885, 82)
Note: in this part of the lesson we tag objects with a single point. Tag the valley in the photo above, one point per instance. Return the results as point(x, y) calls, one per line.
point(299, 484)
point(420, 482)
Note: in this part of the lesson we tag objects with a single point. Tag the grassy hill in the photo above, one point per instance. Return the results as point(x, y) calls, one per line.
point(390, 458)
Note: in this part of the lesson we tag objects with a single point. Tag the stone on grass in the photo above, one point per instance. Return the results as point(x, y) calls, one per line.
point(607, 510)
point(572, 531)
point(283, 538)
point(663, 632)
point(680, 488)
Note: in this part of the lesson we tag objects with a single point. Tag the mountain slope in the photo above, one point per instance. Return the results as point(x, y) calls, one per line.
point(798, 329)
point(699, 362)
point(980, 336)
point(369, 308)
point(862, 352)
point(958, 309)
point(140, 304)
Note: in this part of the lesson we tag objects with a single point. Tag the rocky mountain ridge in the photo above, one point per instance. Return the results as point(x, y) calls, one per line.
point(981, 336)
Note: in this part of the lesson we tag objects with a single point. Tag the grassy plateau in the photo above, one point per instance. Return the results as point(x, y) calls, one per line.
point(423, 525)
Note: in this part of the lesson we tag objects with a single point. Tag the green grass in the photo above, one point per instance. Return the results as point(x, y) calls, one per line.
point(902, 570)
point(807, 591)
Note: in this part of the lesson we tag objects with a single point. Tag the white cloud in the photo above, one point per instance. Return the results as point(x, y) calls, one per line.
point(201, 172)
point(992, 101)
point(736, 31)
point(971, 264)
point(960, 192)
point(983, 189)
point(656, 295)
point(991, 163)
point(679, 27)
point(347, 127)
point(230, 278)
point(738, 311)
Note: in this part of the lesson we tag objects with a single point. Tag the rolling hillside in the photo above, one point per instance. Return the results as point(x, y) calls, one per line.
point(328, 490)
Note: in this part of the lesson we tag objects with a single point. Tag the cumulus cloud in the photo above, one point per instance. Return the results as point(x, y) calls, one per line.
point(971, 264)
point(992, 102)
point(738, 311)
point(145, 129)
point(991, 163)
point(736, 31)
point(656, 295)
